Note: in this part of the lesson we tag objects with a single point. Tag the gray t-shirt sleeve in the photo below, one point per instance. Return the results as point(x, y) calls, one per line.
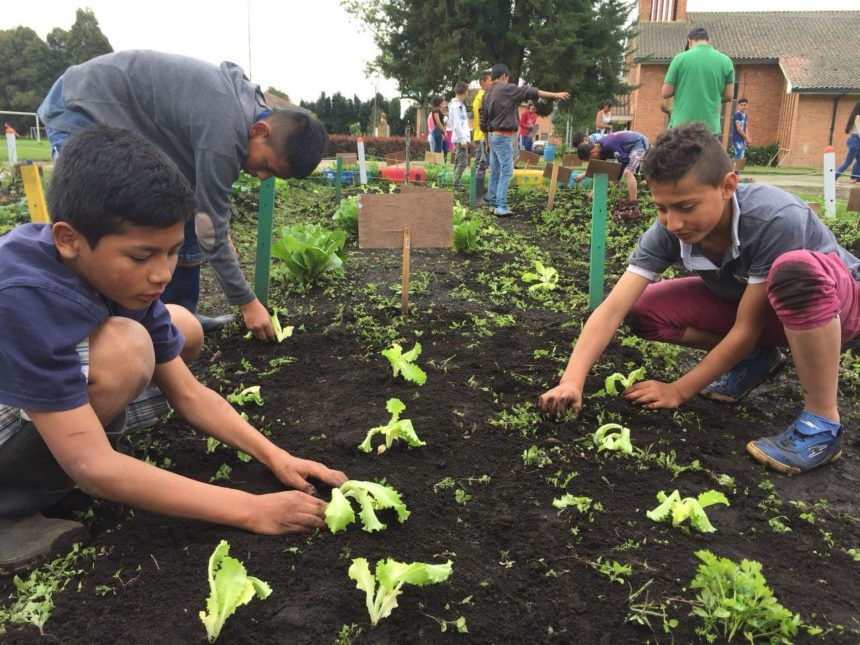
point(655, 252)
point(784, 232)
point(215, 176)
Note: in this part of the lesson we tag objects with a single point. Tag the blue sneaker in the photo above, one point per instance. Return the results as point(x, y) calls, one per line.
point(798, 448)
point(504, 212)
point(755, 369)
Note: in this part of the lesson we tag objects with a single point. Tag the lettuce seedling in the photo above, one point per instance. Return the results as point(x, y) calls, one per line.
point(370, 496)
point(281, 333)
point(634, 377)
point(248, 395)
point(546, 278)
point(614, 441)
point(397, 428)
point(402, 363)
point(692, 508)
point(391, 576)
point(229, 587)
point(346, 215)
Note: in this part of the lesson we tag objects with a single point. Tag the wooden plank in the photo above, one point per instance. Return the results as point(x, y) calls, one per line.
point(394, 158)
point(528, 158)
point(611, 169)
point(404, 276)
point(562, 175)
point(553, 186)
point(36, 202)
point(434, 157)
point(854, 200)
point(427, 213)
point(571, 161)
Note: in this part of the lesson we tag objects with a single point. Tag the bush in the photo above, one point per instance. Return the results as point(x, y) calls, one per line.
point(761, 155)
point(308, 250)
point(377, 147)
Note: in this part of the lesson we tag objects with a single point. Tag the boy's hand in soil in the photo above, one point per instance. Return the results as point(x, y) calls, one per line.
point(654, 395)
point(285, 512)
point(293, 472)
point(560, 399)
point(258, 320)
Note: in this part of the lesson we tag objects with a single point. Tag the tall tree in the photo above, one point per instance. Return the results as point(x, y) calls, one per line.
point(27, 70)
point(428, 45)
point(82, 42)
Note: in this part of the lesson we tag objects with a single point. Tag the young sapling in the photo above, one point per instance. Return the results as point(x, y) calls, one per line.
point(229, 587)
point(403, 363)
point(397, 428)
point(692, 508)
point(370, 497)
point(383, 588)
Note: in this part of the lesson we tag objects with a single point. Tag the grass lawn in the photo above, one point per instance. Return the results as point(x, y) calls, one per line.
point(29, 149)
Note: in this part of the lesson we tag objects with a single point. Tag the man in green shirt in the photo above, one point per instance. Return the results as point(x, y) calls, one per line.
point(700, 79)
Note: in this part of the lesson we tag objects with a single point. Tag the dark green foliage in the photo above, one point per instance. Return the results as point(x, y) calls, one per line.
point(573, 45)
point(339, 113)
point(346, 215)
point(762, 155)
point(308, 250)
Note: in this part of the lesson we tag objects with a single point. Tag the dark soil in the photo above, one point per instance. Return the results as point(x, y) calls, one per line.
point(522, 571)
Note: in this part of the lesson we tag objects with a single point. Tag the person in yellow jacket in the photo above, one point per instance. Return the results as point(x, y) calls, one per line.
point(482, 153)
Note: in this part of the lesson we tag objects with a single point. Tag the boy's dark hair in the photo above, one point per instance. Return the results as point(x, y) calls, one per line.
point(461, 87)
point(743, 100)
point(691, 147)
point(484, 76)
point(578, 137)
point(436, 100)
point(299, 138)
point(583, 150)
point(499, 70)
point(107, 177)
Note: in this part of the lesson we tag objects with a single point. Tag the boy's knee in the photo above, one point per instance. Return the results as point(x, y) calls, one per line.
point(795, 281)
point(191, 329)
point(121, 353)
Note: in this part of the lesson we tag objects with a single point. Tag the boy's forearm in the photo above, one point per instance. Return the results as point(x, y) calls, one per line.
point(728, 352)
point(596, 334)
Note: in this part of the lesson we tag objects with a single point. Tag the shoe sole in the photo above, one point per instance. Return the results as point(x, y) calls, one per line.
point(780, 467)
point(724, 398)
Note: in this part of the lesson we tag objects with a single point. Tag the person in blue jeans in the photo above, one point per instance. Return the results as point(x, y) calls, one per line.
point(499, 118)
point(438, 141)
point(852, 129)
point(740, 133)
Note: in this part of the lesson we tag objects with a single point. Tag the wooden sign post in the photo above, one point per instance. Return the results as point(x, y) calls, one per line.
point(528, 158)
point(600, 172)
point(417, 217)
point(555, 174)
point(854, 202)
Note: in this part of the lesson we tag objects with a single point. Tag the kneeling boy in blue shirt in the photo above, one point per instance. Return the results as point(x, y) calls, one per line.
point(83, 332)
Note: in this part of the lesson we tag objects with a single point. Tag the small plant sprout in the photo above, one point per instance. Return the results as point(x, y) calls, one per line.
point(692, 508)
point(584, 505)
point(546, 278)
point(610, 384)
point(247, 395)
point(281, 333)
point(370, 497)
point(383, 588)
point(403, 363)
point(613, 437)
point(397, 428)
point(229, 587)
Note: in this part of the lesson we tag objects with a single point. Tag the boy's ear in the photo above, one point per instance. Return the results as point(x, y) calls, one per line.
point(260, 129)
point(67, 240)
point(729, 184)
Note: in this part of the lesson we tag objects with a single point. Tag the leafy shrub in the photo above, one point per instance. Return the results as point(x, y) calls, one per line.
point(346, 215)
point(309, 250)
point(761, 155)
point(465, 230)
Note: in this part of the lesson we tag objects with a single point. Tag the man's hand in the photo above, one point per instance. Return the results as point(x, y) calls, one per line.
point(654, 395)
point(258, 320)
point(285, 512)
point(294, 471)
point(561, 398)
point(562, 96)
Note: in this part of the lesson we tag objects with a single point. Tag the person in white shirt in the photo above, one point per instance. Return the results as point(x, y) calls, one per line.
point(460, 134)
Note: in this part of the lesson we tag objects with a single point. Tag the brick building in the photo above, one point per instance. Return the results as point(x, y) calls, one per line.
point(798, 69)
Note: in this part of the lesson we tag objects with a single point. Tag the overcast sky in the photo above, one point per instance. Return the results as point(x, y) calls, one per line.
point(301, 47)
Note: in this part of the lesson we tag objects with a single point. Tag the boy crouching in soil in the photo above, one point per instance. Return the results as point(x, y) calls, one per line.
point(83, 332)
point(770, 275)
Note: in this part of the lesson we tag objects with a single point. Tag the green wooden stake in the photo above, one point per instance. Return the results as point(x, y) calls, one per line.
point(264, 240)
point(338, 180)
point(600, 185)
point(472, 187)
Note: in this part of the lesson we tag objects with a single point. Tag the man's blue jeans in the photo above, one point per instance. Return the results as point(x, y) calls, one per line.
point(853, 155)
point(501, 169)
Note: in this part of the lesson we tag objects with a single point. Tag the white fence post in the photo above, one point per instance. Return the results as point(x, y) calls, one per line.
point(362, 166)
point(830, 181)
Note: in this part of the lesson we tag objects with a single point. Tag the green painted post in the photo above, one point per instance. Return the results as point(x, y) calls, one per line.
point(264, 240)
point(600, 185)
point(472, 187)
point(338, 179)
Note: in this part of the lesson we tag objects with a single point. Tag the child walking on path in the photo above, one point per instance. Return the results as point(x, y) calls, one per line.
point(90, 284)
point(770, 275)
point(11, 144)
point(482, 150)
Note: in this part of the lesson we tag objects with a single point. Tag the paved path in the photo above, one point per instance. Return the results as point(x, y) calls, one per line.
point(806, 183)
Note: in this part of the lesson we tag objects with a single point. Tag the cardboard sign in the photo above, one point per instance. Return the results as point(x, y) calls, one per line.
point(434, 157)
point(597, 167)
point(854, 200)
point(394, 158)
point(348, 158)
point(529, 158)
point(563, 173)
point(426, 212)
point(571, 161)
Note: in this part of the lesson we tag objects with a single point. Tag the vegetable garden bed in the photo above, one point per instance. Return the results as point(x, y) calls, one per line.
point(481, 491)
